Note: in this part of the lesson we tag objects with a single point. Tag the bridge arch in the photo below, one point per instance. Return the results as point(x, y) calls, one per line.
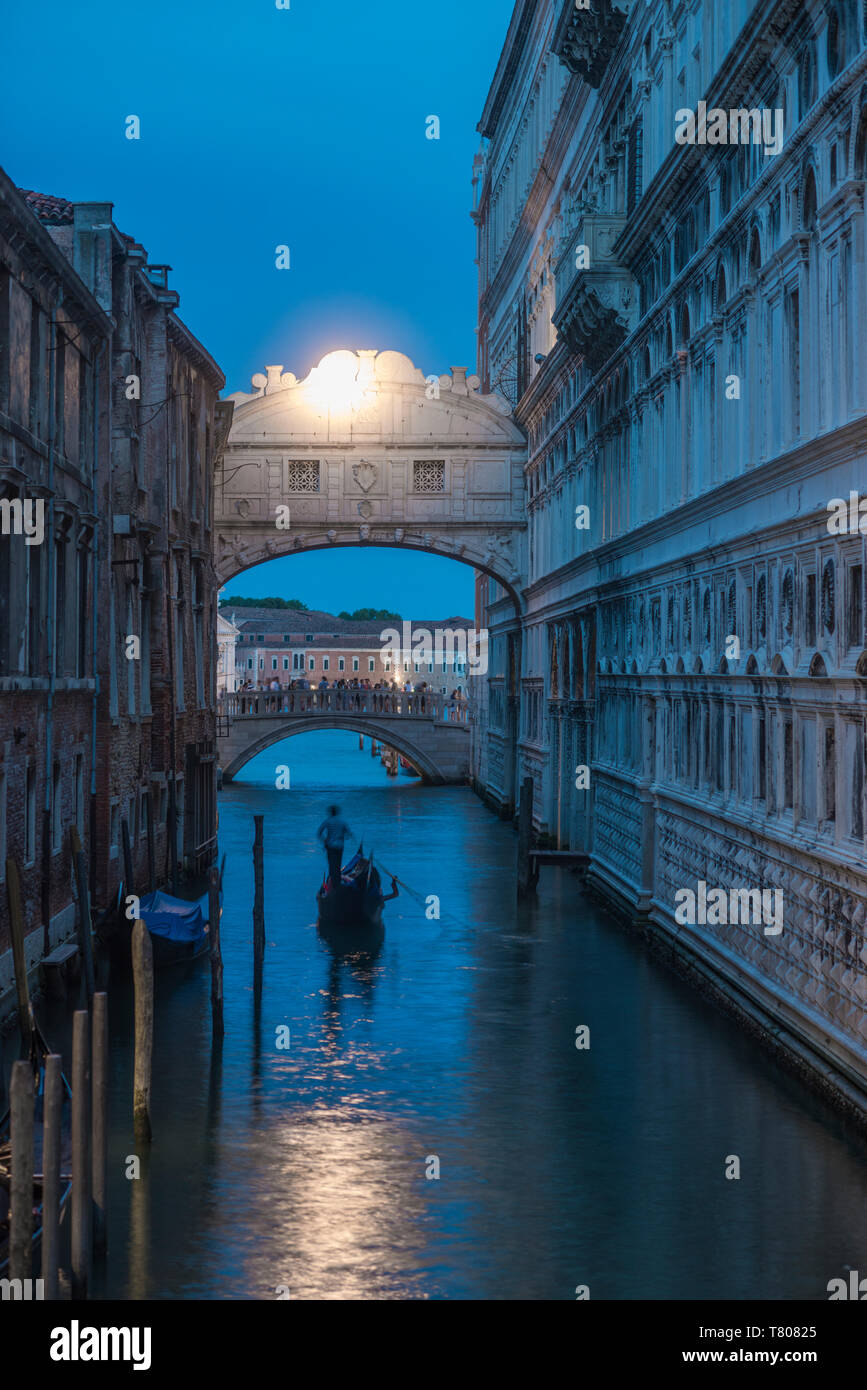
point(383, 731)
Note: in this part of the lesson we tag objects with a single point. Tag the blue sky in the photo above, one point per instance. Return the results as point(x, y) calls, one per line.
point(262, 127)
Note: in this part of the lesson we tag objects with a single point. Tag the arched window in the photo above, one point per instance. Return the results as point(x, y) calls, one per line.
point(861, 147)
point(683, 327)
point(721, 293)
point(755, 252)
point(835, 41)
point(669, 345)
point(647, 367)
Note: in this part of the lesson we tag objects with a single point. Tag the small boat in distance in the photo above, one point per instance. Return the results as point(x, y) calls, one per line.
point(355, 904)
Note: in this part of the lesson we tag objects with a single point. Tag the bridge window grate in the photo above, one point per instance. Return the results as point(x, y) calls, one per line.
point(429, 475)
point(302, 475)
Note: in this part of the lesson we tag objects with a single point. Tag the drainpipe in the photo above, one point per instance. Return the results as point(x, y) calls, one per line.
point(49, 636)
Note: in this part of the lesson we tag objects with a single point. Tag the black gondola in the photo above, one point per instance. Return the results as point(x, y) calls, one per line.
point(356, 903)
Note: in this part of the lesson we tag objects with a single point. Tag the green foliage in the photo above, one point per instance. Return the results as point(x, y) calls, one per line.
point(375, 615)
point(294, 603)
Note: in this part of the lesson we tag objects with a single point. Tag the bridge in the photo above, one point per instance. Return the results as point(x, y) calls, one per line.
point(431, 733)
point(367, 450)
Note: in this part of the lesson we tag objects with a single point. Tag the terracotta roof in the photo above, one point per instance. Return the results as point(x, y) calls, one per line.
point(54, 211)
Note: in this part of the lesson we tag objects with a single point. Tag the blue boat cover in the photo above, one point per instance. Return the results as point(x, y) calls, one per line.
point(173, 918)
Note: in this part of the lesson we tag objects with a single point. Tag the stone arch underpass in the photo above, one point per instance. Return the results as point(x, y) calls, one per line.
point(367, 450)
point(439, 749)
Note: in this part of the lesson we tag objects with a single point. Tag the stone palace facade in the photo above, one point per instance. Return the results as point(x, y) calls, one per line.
point(676, 310)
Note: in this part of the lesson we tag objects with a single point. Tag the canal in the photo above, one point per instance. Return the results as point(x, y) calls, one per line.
point(305, 1170)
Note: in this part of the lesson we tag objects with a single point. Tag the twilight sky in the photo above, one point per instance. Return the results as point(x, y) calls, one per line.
point(261, 127)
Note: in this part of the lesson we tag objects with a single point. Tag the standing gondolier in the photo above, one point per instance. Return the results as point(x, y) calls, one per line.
point(333, 832)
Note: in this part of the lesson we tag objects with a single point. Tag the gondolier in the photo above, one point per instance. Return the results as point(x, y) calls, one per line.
point(333, 832)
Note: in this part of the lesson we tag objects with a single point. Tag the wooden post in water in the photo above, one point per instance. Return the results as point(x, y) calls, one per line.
point(81, 1206)
point(361, 743)
point(19, 958)
point(216, 955)
point(100, 1119)
point(143, 985)
point(526, 883)
point(85, 938)
point(259, 892)
point(21, 1189)
point(51, 1132)
point(373, 747)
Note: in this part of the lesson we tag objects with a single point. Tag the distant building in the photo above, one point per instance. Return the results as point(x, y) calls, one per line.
point(284, 645)
point(227, 637)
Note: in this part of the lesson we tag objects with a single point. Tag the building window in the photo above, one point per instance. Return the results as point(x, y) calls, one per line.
point(830, 771)
point(788, 765)
point(355, 663)
point(429, 475)
point(855, 606)
point(325, 663)
point(249, 663)
point(341, 664)
point(312, 663)
point(285, 663)
point(371, 665)
point(78, 794)
point(297, 661)
point(273, 663)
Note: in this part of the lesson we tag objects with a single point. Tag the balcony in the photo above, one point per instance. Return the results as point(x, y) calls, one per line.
point(586, 38)
point(597, 305)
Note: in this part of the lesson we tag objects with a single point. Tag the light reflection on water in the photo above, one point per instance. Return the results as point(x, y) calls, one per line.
point(306, 1168)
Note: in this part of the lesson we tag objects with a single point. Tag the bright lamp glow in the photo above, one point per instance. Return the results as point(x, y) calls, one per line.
point(334, 384)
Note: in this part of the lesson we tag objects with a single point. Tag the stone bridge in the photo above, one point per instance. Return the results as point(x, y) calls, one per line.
point(367, 450)
point(430, 732)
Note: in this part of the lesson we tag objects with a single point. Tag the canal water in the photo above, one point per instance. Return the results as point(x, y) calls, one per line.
point(304, 1172)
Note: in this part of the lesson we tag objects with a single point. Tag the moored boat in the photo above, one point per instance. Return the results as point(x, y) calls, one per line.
point(179, 930)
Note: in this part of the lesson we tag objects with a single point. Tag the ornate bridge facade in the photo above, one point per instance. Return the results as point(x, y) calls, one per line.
point(432, 733)
point(367, 450)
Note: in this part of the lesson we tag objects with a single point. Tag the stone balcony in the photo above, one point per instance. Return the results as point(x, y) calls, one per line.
point(585, 39)
point(597, 298)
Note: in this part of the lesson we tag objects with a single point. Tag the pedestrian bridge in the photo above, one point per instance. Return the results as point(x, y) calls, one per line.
point(430, 731)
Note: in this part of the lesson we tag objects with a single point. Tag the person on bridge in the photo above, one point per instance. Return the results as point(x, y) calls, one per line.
point(333, 832)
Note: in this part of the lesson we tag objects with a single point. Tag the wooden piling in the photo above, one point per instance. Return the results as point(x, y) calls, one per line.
point(52, 1112)
point(143, 984)
point(19, 957)
point(259, 891)
point(81, 1205)
point(21, 1189)
point(361, 743)
point(217, 1028)
point(99, 1151)
point(85, 934)
point(526, 881)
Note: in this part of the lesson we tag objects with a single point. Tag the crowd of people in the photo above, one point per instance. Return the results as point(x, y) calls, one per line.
point(359, 693)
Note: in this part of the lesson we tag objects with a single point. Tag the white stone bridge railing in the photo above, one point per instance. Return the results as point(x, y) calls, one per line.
point(391, 704)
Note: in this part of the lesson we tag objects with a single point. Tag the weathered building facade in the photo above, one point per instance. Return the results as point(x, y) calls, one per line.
point(681, 328)
point(108, 413)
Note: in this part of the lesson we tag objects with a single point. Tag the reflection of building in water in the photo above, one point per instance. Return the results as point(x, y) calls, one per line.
point(682, 327)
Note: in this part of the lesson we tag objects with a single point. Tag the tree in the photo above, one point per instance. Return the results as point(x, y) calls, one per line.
point(294, 603)
point(367, 615)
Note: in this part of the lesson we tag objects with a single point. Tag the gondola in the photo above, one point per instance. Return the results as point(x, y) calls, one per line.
point(179, 930)
point(354, 909)
point(41, 1050)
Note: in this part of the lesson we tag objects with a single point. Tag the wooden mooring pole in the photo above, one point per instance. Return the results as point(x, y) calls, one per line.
point(100, 1119)
point(259, 892)
point(143, 987)
point(51, 1132)
point(81, 1204)
point(21, 1189)
point(216, 955)
point(526, 880)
